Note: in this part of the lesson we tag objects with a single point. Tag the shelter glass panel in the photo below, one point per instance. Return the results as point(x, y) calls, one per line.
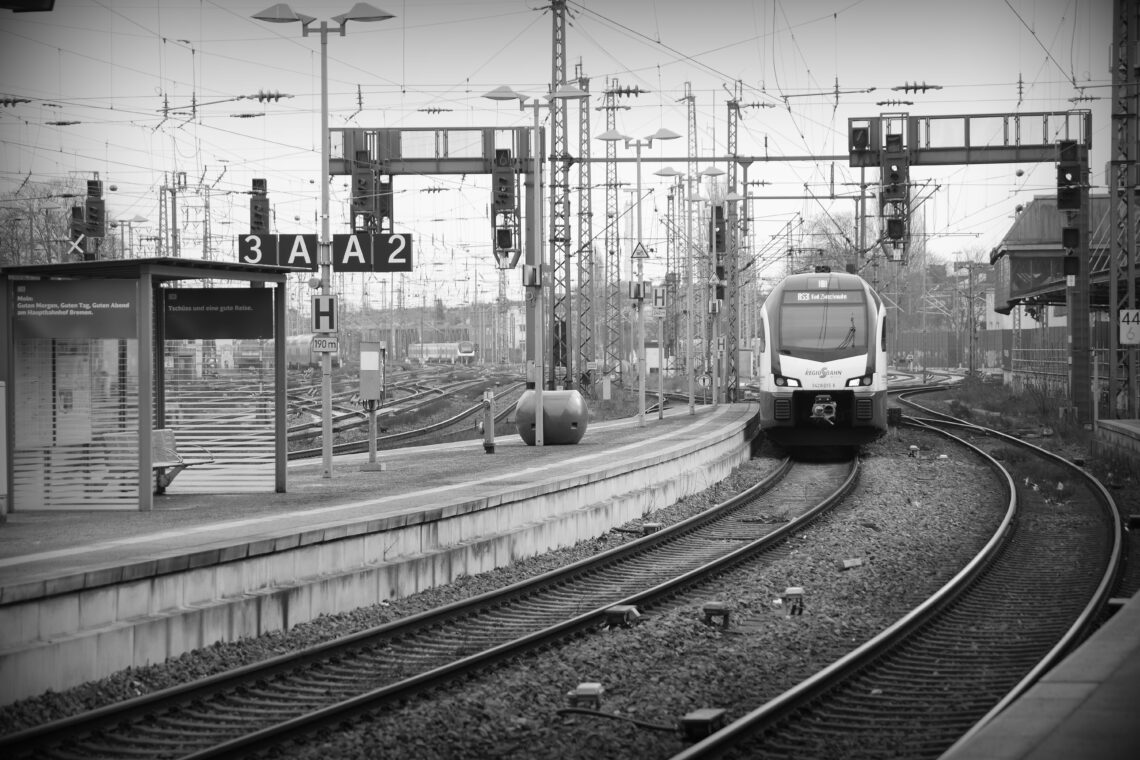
point(76, 426)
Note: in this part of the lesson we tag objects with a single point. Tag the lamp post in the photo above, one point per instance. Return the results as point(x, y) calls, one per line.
point(536, 256)
point(281, 14)
point(639, 255)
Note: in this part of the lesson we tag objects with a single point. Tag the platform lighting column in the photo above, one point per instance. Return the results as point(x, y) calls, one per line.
point(637, 144)
point(281, 14)
point(537, 255)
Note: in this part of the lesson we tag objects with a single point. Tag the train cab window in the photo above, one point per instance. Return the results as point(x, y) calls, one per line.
point(830, 323)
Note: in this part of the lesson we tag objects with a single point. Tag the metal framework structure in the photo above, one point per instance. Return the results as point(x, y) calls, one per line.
point(731, 256)
point(559, 187)
point(612, 364)
point(1123, 182)
point(586, 314)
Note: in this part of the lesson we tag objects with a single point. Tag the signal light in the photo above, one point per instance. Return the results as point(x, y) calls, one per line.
point(860, 138)
point(1070, 238)
point(1069, 176)
point(502, 190)
point(94, 214)
point(259, 215)
point(504, 238)
point(895, 181)
point(363, 190)
point(719, 228)
point(94, 188)
point(896, 229)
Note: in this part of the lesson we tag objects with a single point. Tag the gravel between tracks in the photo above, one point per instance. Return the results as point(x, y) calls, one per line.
point(913, 522)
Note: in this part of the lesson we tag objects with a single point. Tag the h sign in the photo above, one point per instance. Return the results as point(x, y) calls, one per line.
point(660, 297)
point(324, 314)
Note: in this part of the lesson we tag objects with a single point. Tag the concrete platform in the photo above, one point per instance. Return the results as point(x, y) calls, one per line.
point(83, 595)
point(1087, 707)
point(1118, 439)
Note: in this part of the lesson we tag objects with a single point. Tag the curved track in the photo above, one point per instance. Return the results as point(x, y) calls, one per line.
point(943, 671)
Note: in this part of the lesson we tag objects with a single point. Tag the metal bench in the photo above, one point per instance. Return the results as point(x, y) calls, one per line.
point(167, 461)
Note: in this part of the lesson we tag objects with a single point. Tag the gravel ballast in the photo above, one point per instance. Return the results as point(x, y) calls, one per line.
point(913, 522)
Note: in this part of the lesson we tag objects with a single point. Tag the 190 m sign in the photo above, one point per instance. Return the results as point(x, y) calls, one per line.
point(326, 344)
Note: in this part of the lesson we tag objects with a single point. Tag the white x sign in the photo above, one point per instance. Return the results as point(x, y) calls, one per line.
point(77, 245)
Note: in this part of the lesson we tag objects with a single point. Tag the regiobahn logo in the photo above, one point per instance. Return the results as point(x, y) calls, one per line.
point(822, 373)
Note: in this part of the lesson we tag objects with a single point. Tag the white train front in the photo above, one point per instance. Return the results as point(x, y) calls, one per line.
point(823, 361)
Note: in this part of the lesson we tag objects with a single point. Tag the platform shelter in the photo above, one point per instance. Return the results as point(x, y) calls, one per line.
point(129, 378)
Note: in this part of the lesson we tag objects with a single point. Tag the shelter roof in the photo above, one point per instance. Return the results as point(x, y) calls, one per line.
point(161, 269)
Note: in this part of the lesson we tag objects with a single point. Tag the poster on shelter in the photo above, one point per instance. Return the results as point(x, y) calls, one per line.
point(75, 309)
point(193, 313)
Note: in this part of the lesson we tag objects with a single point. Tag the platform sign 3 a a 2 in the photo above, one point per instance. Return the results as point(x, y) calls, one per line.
point(358, 252)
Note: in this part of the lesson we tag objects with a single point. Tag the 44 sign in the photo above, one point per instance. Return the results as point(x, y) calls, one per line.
point(1129, 327)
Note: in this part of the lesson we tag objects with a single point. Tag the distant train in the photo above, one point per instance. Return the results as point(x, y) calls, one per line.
point(299, 353)
point(461, 352)
point(823, 361)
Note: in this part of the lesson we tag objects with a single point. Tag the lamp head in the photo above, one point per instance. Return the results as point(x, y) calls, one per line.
point(363, 12)
point(503, 92)
point(277, 14)
point(567, 92)
point(664, 134)
point(612, 135)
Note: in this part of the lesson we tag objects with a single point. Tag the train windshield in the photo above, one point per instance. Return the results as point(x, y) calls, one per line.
point(821, 324)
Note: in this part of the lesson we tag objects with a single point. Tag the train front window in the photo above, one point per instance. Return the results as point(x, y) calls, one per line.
point(820, 324)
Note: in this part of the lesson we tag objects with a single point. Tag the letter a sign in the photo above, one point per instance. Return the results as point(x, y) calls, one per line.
point(352, 253)
point(324, 314)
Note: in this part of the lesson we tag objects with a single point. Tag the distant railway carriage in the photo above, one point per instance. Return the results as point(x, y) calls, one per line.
point(299, 353)
point(823, 361)
point(462, 352)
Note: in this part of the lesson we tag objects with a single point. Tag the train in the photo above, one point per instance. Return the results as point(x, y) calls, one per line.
point(822, 360)
point(460, 352)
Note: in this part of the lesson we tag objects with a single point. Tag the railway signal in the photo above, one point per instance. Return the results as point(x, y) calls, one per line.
point(94, 209)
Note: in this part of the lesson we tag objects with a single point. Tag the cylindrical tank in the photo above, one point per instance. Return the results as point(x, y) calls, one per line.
point(564, 417)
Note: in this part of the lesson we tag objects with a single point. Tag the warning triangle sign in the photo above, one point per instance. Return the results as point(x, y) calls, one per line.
point(639, 252)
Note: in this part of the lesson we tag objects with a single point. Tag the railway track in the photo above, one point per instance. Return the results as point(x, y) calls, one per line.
point(261, 705)
point(947, 668)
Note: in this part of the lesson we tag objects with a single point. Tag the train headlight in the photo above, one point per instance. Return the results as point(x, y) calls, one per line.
point(857, 381)
point(786, 382)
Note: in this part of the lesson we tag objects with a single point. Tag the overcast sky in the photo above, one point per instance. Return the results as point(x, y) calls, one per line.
point(127, 71)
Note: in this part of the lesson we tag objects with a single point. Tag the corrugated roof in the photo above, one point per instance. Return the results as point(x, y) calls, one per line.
point(1040, 223)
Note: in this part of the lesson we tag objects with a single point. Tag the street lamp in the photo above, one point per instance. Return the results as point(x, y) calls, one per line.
point(281, 14)
point(639, 255)
point(535, 253)
point(130, 225)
